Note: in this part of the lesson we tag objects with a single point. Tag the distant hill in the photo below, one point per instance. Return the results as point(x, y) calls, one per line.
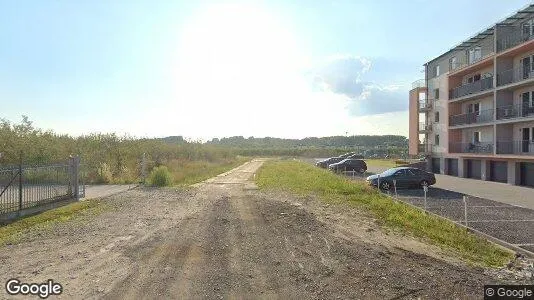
point(363, 141)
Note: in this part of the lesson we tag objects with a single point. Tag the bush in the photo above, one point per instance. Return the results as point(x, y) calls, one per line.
point(104, 174)
point(160, 176)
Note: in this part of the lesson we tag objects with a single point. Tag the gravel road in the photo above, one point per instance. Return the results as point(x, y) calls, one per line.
point(226, 239)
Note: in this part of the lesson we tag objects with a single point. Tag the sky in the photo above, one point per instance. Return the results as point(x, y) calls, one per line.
point(206, 69)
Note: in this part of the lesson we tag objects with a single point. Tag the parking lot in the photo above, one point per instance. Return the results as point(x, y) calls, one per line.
point(505, 221)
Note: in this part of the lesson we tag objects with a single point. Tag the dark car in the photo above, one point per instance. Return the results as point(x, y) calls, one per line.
point(404, 177)
point(349, 164)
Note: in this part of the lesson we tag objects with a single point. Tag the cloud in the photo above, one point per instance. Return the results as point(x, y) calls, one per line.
point(349, 75)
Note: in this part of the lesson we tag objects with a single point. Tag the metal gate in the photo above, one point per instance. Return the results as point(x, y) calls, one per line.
point(23, 187)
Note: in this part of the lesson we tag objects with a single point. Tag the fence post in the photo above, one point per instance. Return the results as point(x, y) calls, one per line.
point(143, 168)
point(20, 182)
point(75, 170)
point(378, 182)
point(395, 187)
point(425, 189)
point(465, 209)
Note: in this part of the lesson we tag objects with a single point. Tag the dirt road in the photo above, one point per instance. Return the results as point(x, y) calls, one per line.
point(225, 239)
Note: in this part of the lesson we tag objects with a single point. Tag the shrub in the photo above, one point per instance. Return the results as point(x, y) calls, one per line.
point(160, 176)
point(104, 174)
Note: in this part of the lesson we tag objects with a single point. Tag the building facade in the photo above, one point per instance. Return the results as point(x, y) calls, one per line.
point(473, 114)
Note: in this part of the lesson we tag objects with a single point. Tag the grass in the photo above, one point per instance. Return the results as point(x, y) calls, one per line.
point(13, 232)
point(191, 172)
point(304, 179)
point(386, 163)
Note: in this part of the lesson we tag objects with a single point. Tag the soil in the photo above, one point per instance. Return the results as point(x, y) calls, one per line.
point(226, 239)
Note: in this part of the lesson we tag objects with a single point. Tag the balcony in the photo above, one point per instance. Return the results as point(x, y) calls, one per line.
point(514, 75)
point(463, 64)
point(514, 111)
point(424, 148)
point(423, 127)
point(512, 40)
point(425, 105)
point(485, 148)
point(482, 116)
point(515, 147)
point(419, 84)
point(472, 88)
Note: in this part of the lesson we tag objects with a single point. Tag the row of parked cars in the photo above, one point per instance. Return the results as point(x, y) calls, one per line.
point(401, 177)
point(346, 162)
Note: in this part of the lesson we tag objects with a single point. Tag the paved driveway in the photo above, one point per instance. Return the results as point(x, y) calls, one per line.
point(99, 191)
point(496, 191)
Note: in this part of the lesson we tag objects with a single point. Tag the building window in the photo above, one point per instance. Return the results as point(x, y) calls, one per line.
point(436, 140)
point(453, 63)
point(437, 70)
point(436, 117)
point(474, 108)
point(475, 54)
point(436, 94)
point(528, 66)
point(476, 137)
point(528, 28)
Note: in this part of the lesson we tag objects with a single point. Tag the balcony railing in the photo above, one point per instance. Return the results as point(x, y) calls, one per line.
point(425, 127)
point(513, 39)
point(514, 75)
point(514, 111)
point(425, 105)
point(471, 148)
point(424, 148)
point(464, 61)
point(472, 88)
point(418, 84)
point(482, 116)
point(515, 147)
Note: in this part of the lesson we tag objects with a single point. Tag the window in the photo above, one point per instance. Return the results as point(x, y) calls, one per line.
point(474, 108)
point(436, 93)
point(473, 78)
point(527, 99)
point(476, 137)
point(437, 70)
point(399, 173)
point(527, 66)
point(453, 63)
point(436, 117)
point(475, 54)
point(527, 28)
point(436, 140)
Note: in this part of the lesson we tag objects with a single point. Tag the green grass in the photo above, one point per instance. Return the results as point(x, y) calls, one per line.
point(304, 179)
point(386, 163)
point(13, 232)
point(191, 172)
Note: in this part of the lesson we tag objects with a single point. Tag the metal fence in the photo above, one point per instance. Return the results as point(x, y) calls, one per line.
point(23, 186)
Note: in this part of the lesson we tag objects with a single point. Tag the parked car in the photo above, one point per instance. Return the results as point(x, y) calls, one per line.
point(405, 177)
point(349, 164)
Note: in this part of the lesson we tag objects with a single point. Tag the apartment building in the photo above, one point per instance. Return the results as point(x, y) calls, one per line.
point(473, 114)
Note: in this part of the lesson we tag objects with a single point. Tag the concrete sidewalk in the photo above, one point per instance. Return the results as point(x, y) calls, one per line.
point(496, 191)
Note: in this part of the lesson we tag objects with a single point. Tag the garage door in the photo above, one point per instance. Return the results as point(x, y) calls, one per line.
point(436, 165)
point(499, 171)
point(474, 168)
point(527, 174)
point(452, 165)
